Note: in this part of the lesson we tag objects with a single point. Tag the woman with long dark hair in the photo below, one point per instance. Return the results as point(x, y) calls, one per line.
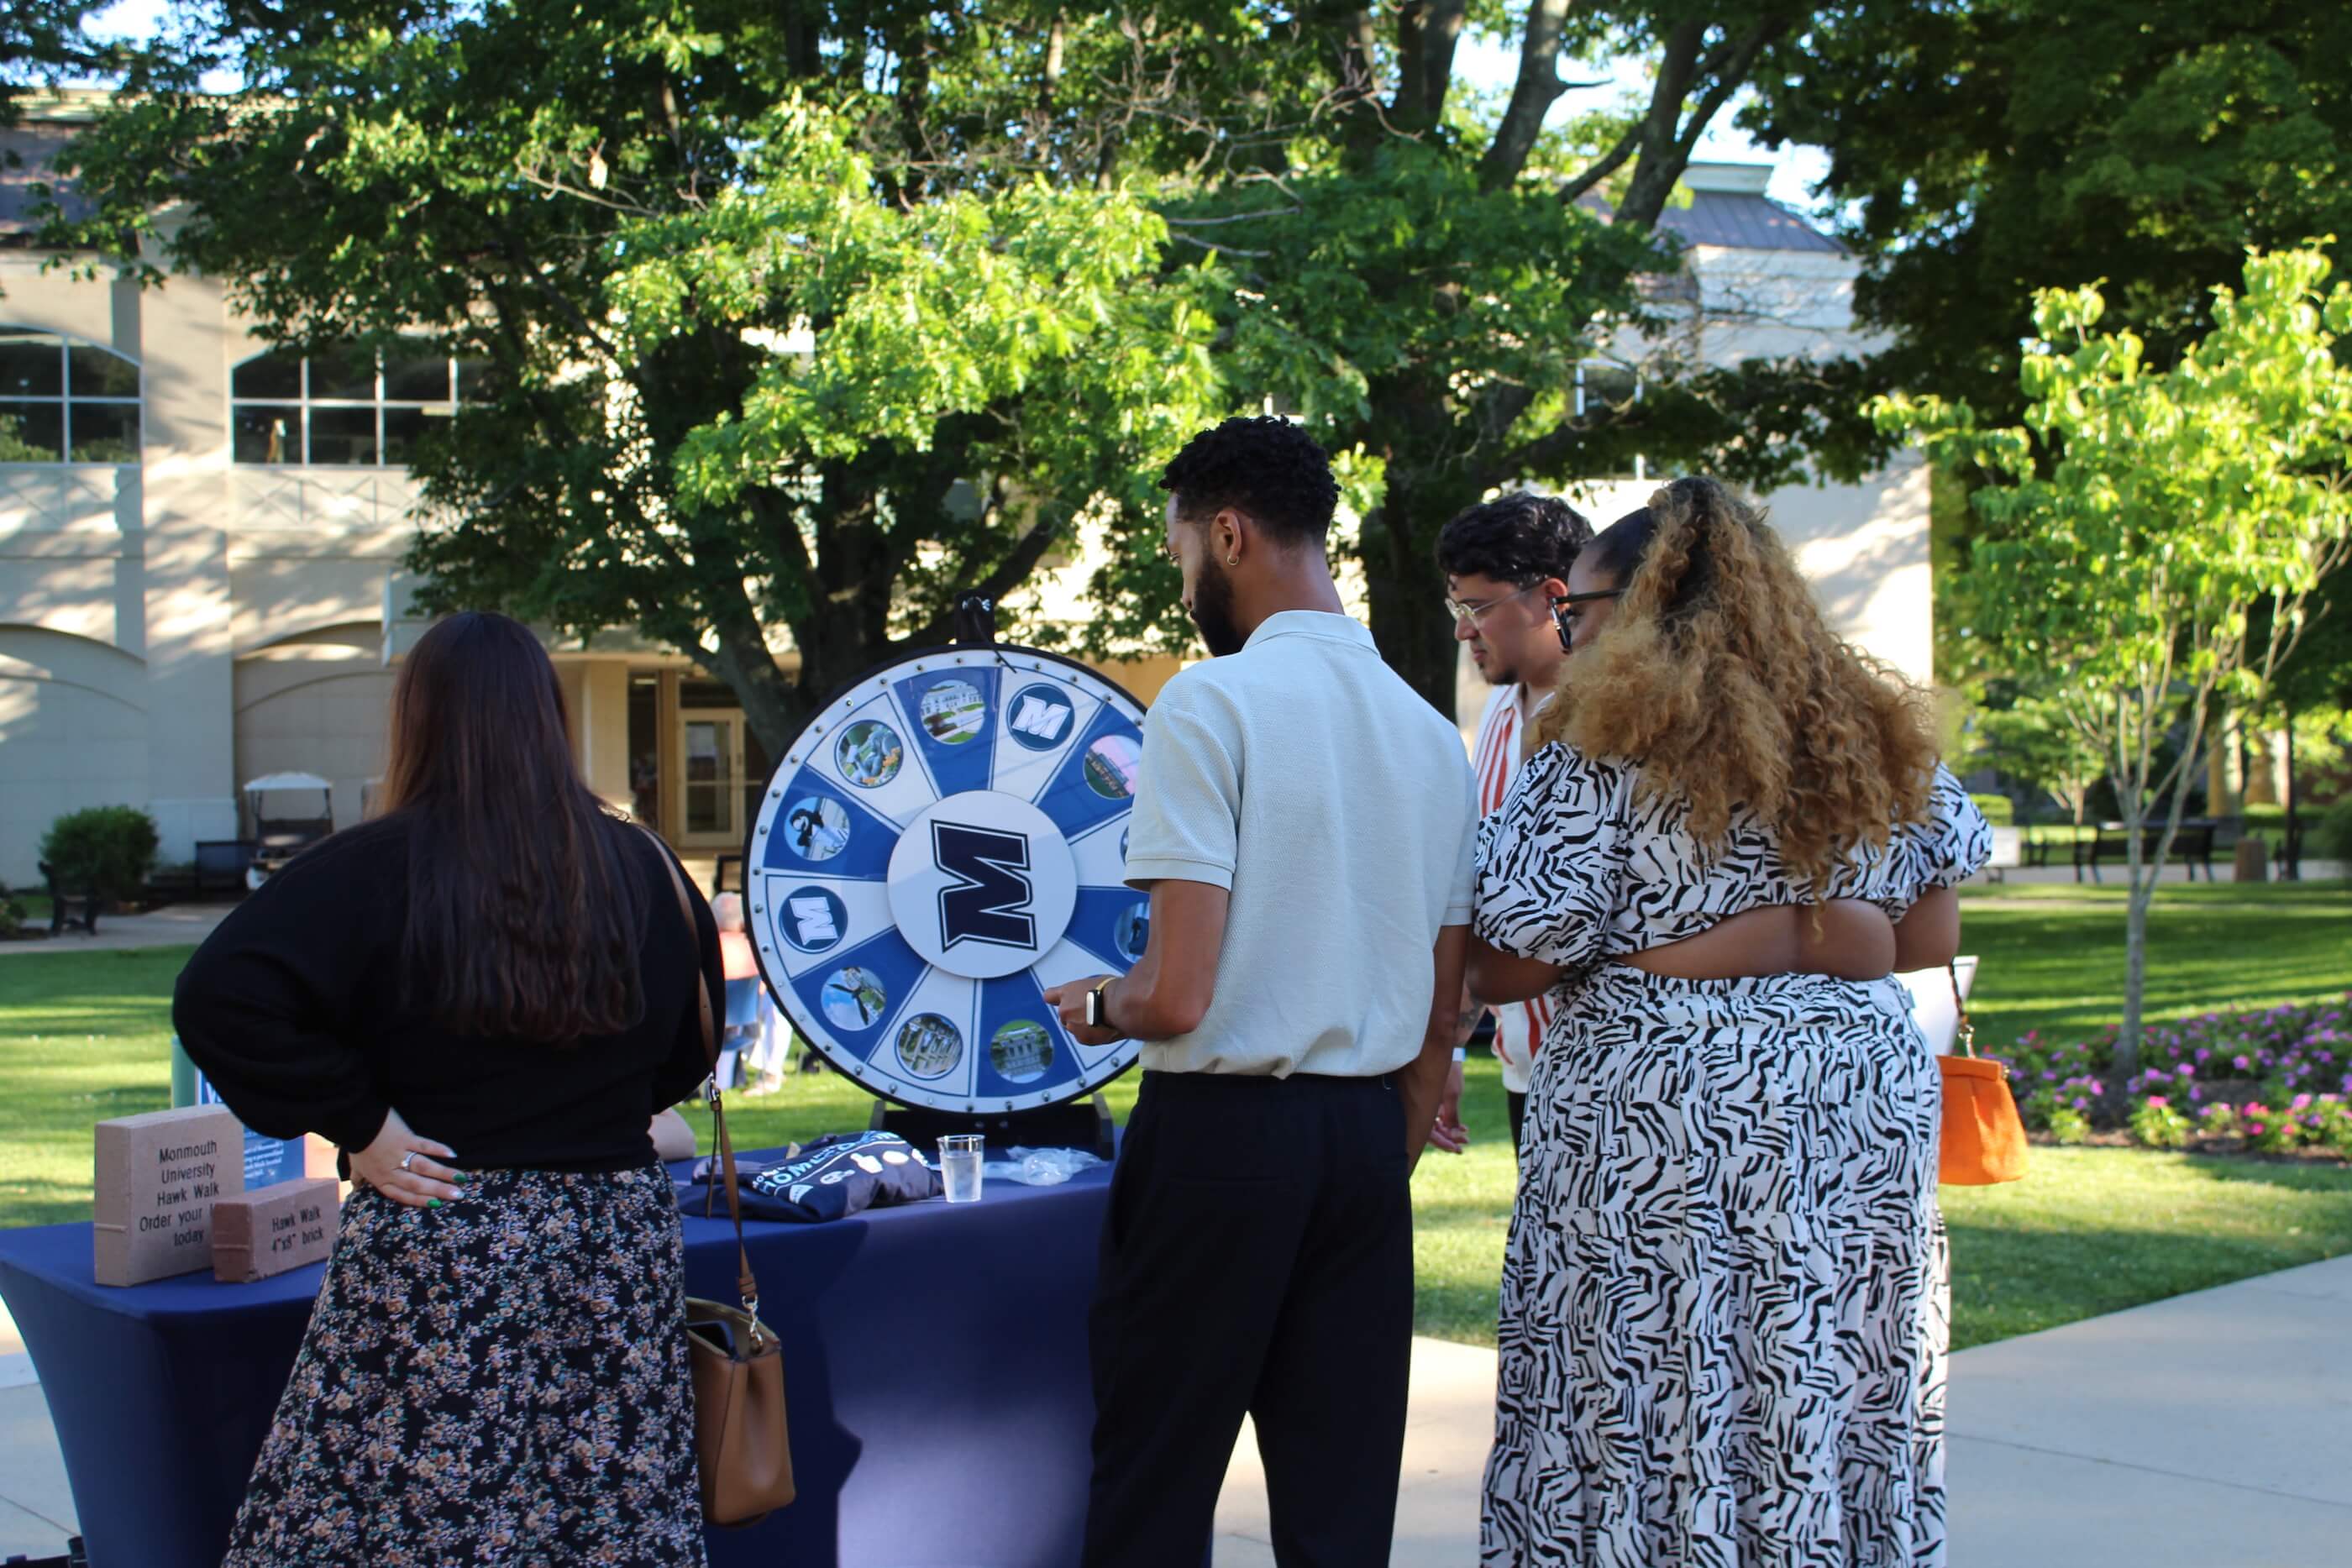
point(481, 997)
point(1722, 1337)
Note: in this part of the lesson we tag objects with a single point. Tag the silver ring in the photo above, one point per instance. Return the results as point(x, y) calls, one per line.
point(406, 1158)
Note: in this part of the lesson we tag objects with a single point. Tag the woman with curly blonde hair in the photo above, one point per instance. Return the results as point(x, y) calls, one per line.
point(1722, 1330)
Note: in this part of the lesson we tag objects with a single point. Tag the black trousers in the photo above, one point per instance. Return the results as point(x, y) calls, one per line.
point(1257, 1258)
point(1516, 1104)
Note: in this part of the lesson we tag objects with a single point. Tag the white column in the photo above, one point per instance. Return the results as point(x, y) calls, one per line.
point(191, 702)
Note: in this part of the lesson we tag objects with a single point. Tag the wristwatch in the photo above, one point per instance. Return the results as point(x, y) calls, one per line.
point(1097, 1015)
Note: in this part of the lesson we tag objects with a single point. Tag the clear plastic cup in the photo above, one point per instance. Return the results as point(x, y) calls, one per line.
point(959, 1161)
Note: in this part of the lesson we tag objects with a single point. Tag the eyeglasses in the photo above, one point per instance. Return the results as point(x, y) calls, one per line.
point(1476, 614)
point(1565, 608)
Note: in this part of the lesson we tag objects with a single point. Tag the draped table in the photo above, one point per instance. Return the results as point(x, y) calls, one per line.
point(935, 1365)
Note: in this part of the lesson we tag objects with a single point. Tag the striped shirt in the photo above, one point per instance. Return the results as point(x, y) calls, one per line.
point(1494, 759)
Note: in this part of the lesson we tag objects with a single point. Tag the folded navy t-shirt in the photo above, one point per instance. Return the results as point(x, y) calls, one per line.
point(830, 1178)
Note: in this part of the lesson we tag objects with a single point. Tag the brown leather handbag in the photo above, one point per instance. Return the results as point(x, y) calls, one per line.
point(742, 1447)
point(1984, 1138)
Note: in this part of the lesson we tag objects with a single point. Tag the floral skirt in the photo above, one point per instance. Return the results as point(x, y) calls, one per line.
point(1725, 1308)
point(499, 1381)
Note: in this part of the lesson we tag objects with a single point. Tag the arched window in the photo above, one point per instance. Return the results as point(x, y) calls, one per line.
point(341, 406)
point(66, 402)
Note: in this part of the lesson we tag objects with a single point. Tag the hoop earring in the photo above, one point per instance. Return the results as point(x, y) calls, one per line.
point(1232, 561)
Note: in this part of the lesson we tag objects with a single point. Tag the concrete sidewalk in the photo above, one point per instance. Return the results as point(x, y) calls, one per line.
point(173, 925)
point(2212, 1430)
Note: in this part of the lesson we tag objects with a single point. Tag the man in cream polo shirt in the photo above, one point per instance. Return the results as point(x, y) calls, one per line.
point(1305, 825)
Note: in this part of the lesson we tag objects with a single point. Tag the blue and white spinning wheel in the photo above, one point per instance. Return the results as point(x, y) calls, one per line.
point(942, 843)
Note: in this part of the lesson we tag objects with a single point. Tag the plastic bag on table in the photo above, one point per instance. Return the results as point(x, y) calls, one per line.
point(1040, 1167)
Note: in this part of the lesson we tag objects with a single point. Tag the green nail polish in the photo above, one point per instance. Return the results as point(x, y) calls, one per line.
point(432, 1203)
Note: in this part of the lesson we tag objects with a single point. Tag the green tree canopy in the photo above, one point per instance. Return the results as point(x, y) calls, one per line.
point(799, 318)
point(1419, 274)
point(736, 376)
point(2137, 513)
point(1985, 149)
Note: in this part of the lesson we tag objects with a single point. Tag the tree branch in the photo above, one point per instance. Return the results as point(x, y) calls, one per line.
point(1603, 167)
point(1010, 573)
point(1532, 95)
point(1667, 140)
point(1405, 103)
point(1441, 30)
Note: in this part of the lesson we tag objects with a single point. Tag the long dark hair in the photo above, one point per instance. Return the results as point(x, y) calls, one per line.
point(523, 911)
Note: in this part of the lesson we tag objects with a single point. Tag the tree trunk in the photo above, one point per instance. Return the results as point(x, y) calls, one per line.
point(2127, 1062)
point(2291, 871)
point(2133, 790)
point(1402, 581)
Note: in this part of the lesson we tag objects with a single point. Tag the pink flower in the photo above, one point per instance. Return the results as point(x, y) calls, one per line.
point(2158, 1103)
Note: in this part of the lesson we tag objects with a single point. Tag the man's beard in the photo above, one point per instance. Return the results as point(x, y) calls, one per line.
point(1213, 610)
point(1497, 671)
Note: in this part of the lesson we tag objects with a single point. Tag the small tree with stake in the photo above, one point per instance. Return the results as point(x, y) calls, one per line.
point(2136, 516)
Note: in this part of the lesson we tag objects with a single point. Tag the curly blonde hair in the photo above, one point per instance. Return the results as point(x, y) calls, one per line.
point(1719, 678)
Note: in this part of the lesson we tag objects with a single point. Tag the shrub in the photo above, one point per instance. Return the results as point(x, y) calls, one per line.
point(2267, 1055)
point(2274, 1132)
point(2068, 1125)
point(2333, 1126)
point(12, 913)
point(2156, 1124)
point(101, 850)
point(2217, 1120)
point(1999, 809)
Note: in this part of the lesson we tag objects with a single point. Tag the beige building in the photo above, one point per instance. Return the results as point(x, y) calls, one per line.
point(201, 540)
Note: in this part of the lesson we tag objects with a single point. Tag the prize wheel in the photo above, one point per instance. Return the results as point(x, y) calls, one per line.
point(945, 840)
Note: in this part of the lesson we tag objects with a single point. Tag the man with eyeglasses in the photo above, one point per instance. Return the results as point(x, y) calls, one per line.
point(1505, 562)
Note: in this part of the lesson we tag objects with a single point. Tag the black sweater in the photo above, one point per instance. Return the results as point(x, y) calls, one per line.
point(293, 1008)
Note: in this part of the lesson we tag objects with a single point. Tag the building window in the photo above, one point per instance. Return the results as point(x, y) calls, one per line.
point(342, 407)
point(64, 402)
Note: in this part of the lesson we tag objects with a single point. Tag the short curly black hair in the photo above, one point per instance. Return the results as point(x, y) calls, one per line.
point(1521, 537)
point(1265, 466)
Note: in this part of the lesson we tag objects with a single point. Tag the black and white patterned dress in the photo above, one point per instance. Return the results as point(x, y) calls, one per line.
point(1724, 1322)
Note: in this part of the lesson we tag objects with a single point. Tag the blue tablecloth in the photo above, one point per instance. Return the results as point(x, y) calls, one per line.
point(935, 1361)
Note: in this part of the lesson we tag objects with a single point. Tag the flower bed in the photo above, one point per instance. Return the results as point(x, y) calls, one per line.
point(2277, 1081)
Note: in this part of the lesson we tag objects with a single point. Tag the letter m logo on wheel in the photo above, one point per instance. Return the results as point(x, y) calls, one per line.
point(989, 901)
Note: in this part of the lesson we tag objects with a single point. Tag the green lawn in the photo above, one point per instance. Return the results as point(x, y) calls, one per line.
point(2052, 954)
point(2088, 1230)
point(88, 1036)
point(84, 1036)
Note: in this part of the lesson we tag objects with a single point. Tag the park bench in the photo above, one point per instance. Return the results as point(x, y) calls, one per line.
point(2193, 845)
point(61, 904)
